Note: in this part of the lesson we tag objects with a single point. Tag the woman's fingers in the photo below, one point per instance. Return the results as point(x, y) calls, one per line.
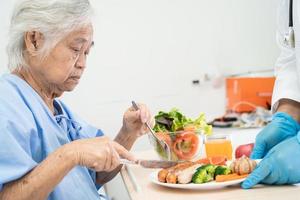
point(132, 115)
point(108, 157)
point(145, 116)
point(115, 159)
point(141, 114)
point(152, 122)
point(122, 152)
point(144, 113)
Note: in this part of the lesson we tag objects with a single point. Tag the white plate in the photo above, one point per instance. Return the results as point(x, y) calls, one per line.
point(192, 186)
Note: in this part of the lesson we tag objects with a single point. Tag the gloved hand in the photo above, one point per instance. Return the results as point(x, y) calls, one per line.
point(282, 127)
point(280, 165)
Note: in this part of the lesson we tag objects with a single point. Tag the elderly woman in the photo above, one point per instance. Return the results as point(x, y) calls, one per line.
point(46, 151)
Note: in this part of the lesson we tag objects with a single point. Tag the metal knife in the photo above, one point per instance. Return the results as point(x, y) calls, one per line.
point(150, 163)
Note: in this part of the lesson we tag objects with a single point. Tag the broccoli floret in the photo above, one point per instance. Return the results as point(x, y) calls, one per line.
point(222, 170)
point(210, 169)
point(201, 176)
point(204, 174)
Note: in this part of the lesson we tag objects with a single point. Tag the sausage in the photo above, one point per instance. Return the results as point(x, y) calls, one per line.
point(171, 178)
point(162, 174)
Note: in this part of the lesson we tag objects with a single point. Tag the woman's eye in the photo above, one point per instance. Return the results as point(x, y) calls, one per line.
point(76, 50)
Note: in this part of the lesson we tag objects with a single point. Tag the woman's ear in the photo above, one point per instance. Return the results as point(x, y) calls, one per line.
point(33, 42)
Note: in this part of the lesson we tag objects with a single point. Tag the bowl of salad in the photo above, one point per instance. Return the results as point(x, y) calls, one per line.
point(182, 134)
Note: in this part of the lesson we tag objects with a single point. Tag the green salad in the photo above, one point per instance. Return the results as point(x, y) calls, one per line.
point(180, 133)
point(175, 121)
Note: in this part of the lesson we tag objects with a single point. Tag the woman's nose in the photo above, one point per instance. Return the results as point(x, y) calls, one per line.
point(81, 61)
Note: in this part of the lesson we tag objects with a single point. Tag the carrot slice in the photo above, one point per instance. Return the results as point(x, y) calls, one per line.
point(214, 160)
point(217, 160)
point(230, 177)
point(203, 161)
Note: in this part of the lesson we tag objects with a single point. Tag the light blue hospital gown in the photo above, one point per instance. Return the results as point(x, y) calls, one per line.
point(29, 132)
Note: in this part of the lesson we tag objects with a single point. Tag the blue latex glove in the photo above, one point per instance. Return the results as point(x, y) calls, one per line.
point(280, 165)
point(282, 127)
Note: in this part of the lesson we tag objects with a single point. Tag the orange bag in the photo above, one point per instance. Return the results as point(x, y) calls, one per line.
point(243, 93)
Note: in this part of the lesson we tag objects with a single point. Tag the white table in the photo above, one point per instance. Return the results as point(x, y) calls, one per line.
point(151, 191)
point(155, 192)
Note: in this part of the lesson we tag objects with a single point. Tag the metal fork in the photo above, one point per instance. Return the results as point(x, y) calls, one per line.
point(162, 143)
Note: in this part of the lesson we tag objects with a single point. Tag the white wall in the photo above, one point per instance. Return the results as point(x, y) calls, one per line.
point(151, 50)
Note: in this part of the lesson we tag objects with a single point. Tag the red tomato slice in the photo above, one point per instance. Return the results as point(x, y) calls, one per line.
point(165, 136)
point(186, 145)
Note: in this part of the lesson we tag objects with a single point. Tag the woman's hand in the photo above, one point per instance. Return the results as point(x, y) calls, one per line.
point(134, 120)
point(100, 153)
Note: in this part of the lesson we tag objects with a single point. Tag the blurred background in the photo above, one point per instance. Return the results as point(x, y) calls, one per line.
point(152, 51)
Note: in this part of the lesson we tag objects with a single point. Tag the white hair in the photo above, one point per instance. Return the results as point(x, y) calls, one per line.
point(53, 18)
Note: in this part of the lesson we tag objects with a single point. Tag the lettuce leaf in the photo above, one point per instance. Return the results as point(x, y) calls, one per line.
point(175, 121)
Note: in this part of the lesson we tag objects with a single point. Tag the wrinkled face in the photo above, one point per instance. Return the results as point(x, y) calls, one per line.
point(64, 65)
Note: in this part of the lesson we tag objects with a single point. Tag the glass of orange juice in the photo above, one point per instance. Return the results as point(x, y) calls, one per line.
point(218, 145)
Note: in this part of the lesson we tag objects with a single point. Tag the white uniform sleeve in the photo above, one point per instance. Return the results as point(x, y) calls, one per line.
point(286, 72)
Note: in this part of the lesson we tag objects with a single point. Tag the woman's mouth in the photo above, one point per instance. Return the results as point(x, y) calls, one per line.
point(75, 79)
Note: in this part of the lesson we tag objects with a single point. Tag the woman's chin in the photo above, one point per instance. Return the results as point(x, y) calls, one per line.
point(71, 83)
point(70, 86)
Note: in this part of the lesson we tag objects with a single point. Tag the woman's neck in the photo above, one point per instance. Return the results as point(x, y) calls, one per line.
point(40, 86)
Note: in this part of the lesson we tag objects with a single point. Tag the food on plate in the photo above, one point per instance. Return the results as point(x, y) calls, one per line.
point(204, 174)
point(243, 165)
point(162, 174)
point(244, 149)
point(222, 170)
point(180, 133)
point(185, 176)
point(217, 160)
point(203, 171)
point(171, 178)
point(181, 173)
point(229, 177)
point(214, 160)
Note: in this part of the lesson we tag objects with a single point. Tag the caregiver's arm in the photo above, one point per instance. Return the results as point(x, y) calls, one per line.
point(39, 182)
point(284, 125)
point(290, 107)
